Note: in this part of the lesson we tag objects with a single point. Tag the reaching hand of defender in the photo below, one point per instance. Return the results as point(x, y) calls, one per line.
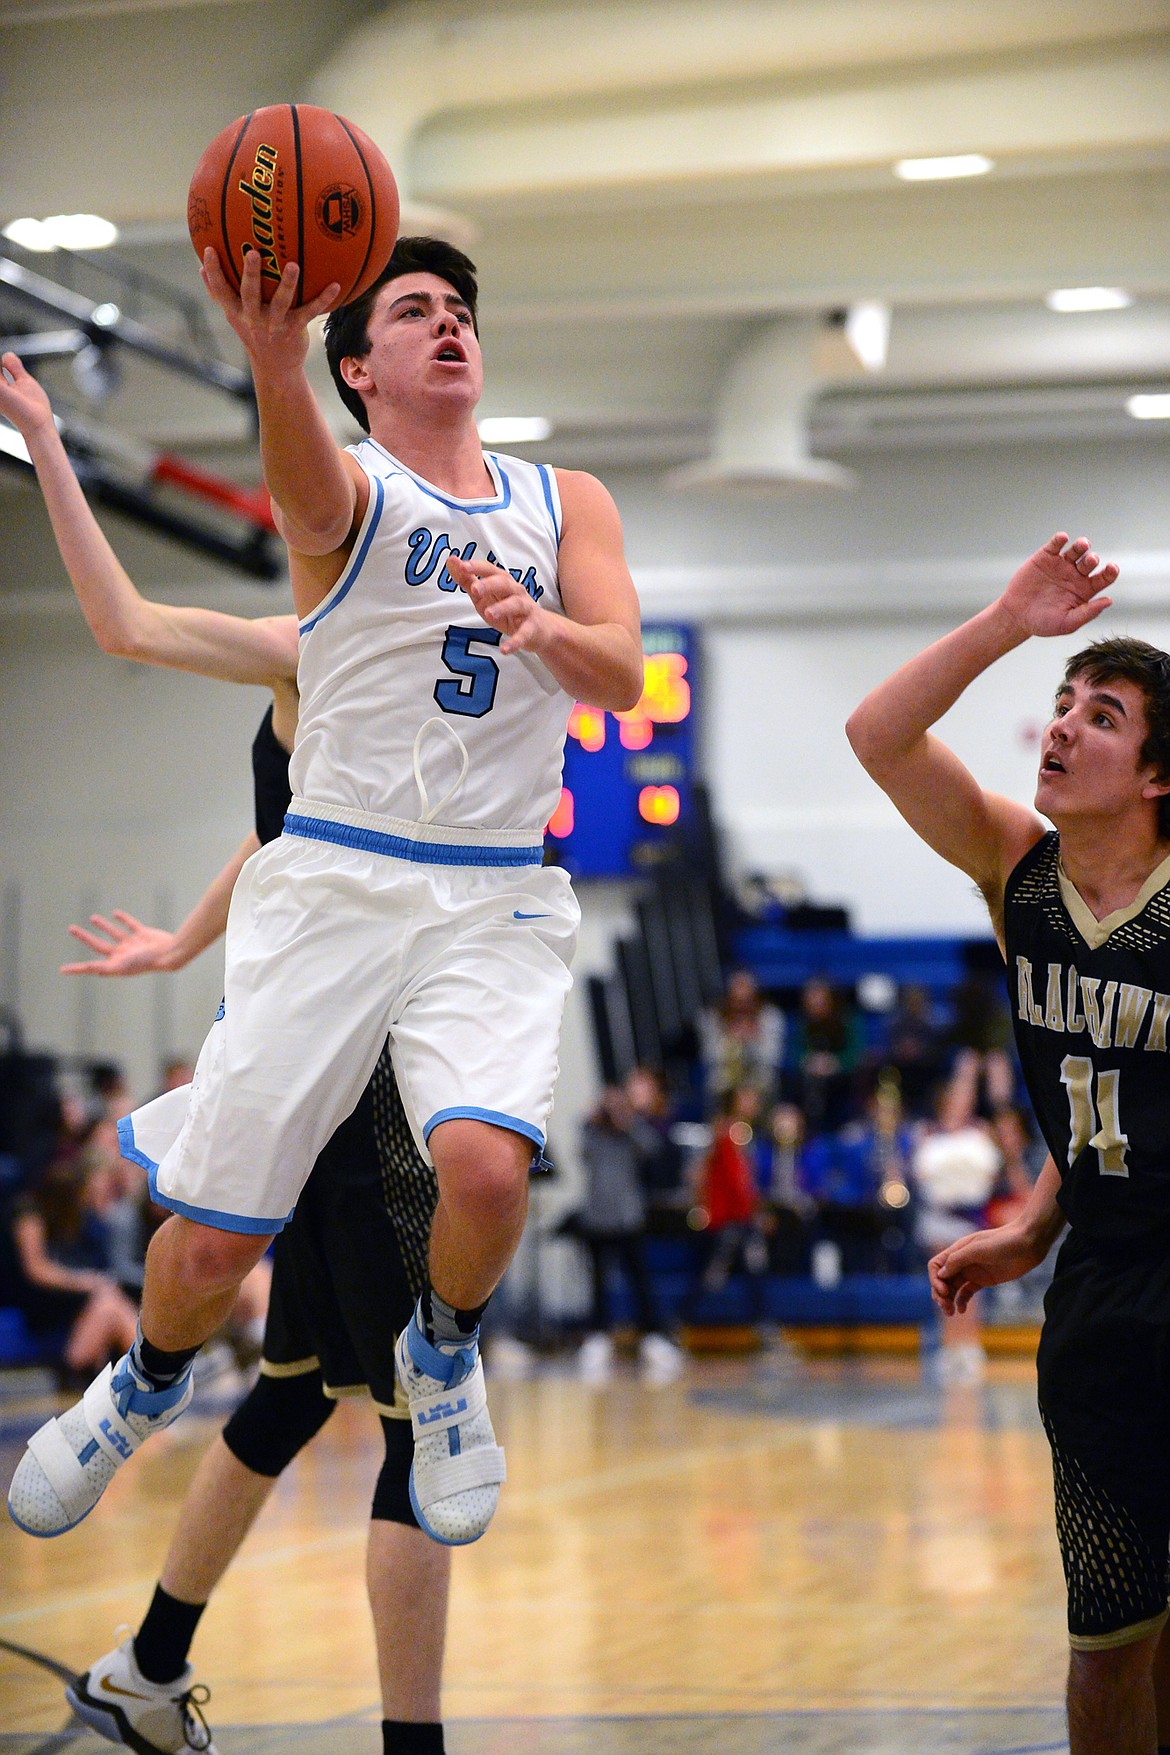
point(129, 948)
point(1058, 589)
point(985, 1258)
point(22, 400)
point(501, 601)
point(275, 334)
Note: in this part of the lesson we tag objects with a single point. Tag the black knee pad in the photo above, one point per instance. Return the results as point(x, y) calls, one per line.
point(276, 1419)
point(392, 1493)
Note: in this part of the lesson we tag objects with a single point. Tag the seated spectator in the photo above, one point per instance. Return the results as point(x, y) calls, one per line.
point(611, 1222)
point(62, 1280)
point(859, 1179)
point(827, 1047)
point(741, 1041)
point(789, 1207)
point(914, 1047)
point(112, 1096)
point(981, 1032)
point(175, 1072)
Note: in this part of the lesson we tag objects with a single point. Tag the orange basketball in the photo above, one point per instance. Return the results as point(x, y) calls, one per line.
point(298, 184)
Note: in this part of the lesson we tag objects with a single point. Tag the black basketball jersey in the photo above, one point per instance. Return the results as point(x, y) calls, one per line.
point(1091, 1010)
point(270, 786)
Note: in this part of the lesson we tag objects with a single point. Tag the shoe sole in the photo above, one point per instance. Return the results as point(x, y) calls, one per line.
point(47, 1535)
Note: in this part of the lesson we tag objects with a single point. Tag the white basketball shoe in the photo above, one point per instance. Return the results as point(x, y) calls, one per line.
point(458, 1467)
point(155, 1718)
point(71, 1460)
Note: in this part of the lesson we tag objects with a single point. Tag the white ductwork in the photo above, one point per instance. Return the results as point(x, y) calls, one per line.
point(760, 439)
point(494, 80)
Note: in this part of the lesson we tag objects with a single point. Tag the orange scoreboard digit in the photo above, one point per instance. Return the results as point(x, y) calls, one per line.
point(627, 779)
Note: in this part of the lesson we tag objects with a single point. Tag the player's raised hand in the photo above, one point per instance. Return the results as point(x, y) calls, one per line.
point(22, 399)
point(502, 602)
point(128, 948)
point(1059, 588)
point(275, 333)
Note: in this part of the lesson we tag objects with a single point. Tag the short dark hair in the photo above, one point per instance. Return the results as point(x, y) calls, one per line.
point(1127, 660)
point(346, 328)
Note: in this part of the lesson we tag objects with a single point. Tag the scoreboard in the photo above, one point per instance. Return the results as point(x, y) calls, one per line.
point(626, 789)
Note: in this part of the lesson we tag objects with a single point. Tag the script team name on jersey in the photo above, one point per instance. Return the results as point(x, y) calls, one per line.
point(1112, 1013)
point(428, 549)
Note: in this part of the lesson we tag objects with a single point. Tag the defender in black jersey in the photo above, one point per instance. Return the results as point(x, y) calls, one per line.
point(1082, 914)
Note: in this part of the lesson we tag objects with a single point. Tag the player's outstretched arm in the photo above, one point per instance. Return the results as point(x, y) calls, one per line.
point(320, 495)
point(595, 649)
point(124, 946)
point(1056, 591)
point(123, 622)
point(991, 1258)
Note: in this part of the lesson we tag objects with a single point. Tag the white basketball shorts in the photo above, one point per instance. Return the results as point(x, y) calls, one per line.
point(333, 944)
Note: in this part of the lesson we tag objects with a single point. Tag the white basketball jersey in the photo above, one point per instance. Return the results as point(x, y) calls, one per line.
point(395, 660)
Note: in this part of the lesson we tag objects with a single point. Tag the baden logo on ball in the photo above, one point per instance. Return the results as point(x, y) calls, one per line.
point(298, 184)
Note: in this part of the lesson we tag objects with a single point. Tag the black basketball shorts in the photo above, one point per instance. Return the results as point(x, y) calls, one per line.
point(351, 1263)
point(1104, 1391)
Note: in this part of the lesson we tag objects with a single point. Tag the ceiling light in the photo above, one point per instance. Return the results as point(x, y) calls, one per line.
point(29, 234)
point(930, 170)
point(514, 429)
point(867, 330)
point(1089, 298)
point(80, 231)
point(1149, 406)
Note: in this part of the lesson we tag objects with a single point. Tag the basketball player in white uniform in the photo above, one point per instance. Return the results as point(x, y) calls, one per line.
point(453, 607)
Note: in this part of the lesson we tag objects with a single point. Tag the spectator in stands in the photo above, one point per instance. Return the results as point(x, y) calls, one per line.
point(728, 1204)
point(174, 1073)
point(661, 1164)
point(790, 1208)
point(954, 1169)
point(827, 1048)
point(616, 1143)
point(741, 1041)
point(112, 1095)
point(62, 1280)
point(859, 1178)
point(981, 1028)
point(914, 1047)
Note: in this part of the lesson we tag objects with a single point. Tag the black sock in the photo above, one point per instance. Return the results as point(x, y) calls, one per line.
point(444, 1326)
point(400, 1738)
point(160, 1369)
point(164, 1639)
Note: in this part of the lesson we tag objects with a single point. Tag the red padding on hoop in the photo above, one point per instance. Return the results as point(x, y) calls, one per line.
point(250, 503)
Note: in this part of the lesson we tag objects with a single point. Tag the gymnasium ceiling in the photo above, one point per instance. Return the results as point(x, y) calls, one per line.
point(667, 200)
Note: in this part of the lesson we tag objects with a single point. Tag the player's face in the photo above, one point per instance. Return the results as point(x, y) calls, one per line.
point(1090, 753)
point(424, 352)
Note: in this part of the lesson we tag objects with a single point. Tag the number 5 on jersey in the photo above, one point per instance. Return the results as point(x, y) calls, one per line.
point(475, 693)
point(1076, 1075)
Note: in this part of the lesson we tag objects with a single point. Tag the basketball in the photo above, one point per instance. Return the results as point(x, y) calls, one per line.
point(297, 184)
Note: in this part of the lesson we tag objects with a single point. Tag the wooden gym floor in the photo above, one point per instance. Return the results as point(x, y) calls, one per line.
point(767, 1555)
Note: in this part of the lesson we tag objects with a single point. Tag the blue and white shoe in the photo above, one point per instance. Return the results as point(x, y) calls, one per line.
point(458, 1467)
point(72, 1459)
